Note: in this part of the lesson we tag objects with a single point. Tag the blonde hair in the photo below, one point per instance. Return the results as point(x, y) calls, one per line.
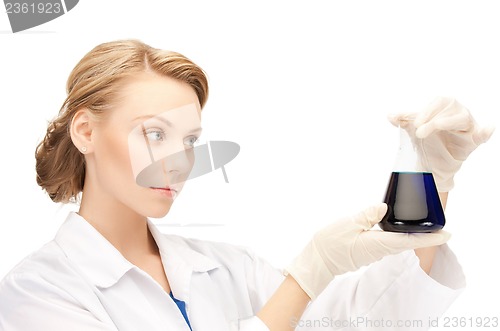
point(92, 84)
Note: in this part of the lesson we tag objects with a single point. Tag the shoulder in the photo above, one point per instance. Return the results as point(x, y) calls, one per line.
point(48, 258)
point(44, 273)
point(47, 290)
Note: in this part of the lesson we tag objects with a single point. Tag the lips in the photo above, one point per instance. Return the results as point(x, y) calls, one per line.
point(168, 191)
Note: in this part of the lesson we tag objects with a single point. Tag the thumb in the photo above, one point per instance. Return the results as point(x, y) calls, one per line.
point(366, 219)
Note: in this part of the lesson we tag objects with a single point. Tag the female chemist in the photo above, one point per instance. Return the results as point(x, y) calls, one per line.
point(122, 145)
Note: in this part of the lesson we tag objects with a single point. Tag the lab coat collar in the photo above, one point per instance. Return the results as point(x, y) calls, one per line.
point(91, 253)
point(174, 248)
point(180, 261)
point(104, 265)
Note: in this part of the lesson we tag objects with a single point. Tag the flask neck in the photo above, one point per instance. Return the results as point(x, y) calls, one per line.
point(411, 156)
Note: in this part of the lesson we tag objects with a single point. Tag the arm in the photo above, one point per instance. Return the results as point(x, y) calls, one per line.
point(426, 255)
point(391, 290)
point(375, 294)
point(287, 304)
point(343, 246)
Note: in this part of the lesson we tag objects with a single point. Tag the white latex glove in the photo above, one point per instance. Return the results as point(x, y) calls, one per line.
point(349, 244)
point(449, 134)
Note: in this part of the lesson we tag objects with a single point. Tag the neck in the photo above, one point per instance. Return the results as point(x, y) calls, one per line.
point(125, 229)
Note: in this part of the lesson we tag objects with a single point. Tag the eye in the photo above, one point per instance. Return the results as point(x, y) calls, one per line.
point(154, 135)
point(191, 141)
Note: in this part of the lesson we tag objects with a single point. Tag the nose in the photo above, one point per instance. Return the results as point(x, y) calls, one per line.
point(177, 164)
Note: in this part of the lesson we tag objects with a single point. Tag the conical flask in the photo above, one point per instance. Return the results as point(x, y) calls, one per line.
point(412, 197)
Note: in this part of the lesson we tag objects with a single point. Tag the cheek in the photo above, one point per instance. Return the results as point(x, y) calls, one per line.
point(112, 156)
point(139, 156)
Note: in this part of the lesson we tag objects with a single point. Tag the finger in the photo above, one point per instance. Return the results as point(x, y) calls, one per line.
point(393, 243)
point(401, 119)
point(483, 135)
point(370, 216)
point(420, 240)
point(434, 108)
point(458, 122)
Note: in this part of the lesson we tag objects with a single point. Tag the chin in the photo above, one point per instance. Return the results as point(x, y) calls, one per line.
point(151, 205)
point(157, 211)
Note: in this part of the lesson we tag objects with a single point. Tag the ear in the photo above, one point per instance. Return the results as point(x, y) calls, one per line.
point(81, 130)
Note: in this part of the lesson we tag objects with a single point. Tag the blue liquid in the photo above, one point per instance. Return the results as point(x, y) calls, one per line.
point(413, 204)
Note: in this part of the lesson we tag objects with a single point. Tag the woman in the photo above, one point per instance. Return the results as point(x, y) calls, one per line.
point(124, 140)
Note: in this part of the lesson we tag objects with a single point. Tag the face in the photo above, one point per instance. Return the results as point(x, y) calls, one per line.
point(143, 148)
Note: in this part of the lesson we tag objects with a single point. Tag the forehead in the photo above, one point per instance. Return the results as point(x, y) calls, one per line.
point(152, 94)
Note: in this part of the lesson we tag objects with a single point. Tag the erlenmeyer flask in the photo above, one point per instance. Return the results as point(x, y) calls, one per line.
point(412, 197)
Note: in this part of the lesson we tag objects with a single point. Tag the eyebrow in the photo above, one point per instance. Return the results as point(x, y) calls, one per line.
point(164, 120)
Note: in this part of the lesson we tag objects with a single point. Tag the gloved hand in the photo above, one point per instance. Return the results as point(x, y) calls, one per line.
point(349, 244)
point(449, 134)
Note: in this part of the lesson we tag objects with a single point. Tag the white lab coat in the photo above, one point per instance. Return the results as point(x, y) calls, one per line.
point(80, 282)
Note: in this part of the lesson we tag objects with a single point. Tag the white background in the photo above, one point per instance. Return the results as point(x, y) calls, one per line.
point(305, 89)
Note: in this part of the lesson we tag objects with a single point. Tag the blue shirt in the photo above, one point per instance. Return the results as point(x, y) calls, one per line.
point(182, 308)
